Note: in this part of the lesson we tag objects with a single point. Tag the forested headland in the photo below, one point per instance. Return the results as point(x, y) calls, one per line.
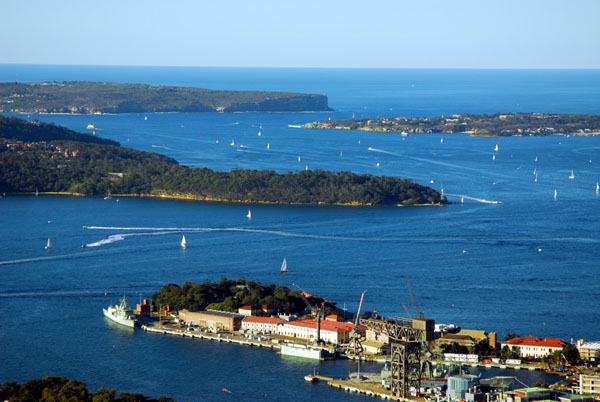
point(498, 124)
point(50, 163)
point(63, 389)
point(229, 295)
point(108, 97)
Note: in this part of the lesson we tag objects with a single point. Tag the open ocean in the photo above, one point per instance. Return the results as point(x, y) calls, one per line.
point(528, 265)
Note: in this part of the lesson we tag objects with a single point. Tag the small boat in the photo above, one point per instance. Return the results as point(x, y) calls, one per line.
point(493, 157)
point(597, 188)
point(120, 313)
point(536, 177)
point(462, 200)
point(259, 133)
point(83, 245)
point(441, 140)
point(249, 214)
point(243, 146)
point(217, 141)
point(299, 159)
point(536, 159)
point(353, 115)
point(534, 171)
point(91, 127)
point(145, 117)
point(37, 192)
point(341, 154)
point(378, 164)
point(268, 146)
point(284, 265)
point(572, 176)
point(306, 168)
point(496, 148)
point(48, 244)
point(183, 242)
point(555, 194)
point(108, 197)
point(232, 143)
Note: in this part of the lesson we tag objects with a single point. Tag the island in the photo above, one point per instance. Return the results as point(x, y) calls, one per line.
point(107, 97)
point(499, 124)
point(44, 158)
point(63, 389)
point(229, 295)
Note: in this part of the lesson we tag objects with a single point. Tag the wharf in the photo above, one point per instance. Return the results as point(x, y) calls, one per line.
point(374, 390)
point(198, 335)
point(529, 367)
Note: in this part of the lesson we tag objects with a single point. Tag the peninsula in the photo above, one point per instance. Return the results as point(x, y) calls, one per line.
point(106, 97)
point(40, 157)
point(499, 124)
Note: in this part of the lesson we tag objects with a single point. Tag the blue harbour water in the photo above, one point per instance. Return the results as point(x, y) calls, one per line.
point(530, 264)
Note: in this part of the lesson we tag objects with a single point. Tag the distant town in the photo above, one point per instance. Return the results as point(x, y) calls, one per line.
point(498, 124)
point(422, 359)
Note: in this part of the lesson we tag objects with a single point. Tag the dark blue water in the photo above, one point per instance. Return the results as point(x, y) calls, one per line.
point(530, 266)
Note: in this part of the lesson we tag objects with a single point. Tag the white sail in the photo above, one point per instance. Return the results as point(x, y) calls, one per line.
point(48, 245)
point(597, 188)
point(493, 157)
point(259, 133)
point(299, 158)
point(462, 200)
point(536, 159)
point(572, 175)
point(183, 242)
point(555, 193)
point(249, 214)
point(284, 265)
point(232, 143)
point(536, 177)
point(268, 146)
point(306, 167)
point(496, 148)
point(441, 140)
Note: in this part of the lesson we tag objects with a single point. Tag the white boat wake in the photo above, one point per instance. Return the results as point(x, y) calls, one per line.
point(468, 197)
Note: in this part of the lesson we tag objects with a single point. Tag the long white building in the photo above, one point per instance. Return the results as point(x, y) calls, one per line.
point(331, 331)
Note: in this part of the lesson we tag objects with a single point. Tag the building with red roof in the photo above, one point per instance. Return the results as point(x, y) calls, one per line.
point(531, 346)
point(266, 325)
point(331, 331)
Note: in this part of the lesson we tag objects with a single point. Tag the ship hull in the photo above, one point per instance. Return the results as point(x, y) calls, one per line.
point(109, 313)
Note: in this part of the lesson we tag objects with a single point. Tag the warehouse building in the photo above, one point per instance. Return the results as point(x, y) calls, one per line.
point(331, 331)
point(212, 319)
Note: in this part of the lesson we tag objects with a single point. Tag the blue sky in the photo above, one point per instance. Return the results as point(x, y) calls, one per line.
point(282, 33)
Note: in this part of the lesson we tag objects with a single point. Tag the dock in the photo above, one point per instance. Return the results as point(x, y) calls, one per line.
point(198, 335)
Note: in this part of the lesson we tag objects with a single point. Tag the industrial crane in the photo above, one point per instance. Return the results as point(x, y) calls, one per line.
point(316, 310)
point(418, 314)
point(354, 343)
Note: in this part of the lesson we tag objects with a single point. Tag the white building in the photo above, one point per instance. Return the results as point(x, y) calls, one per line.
point(266, 325)
point(531, 346)
point(331, 331)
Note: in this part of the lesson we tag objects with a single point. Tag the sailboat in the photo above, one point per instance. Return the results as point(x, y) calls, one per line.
point(555, 194)
point(48, 245)
point(536, 159)
point(284, 265)
point(341, 154)
point(249, 214)
point(299, 159)
point(536, 177)
point(496, 148)
point(232, 143)
point(462, 200)
point(183, 242)
point(259, 133)
point(306, 168)
point(572, 175)
point(534, 171)
point(441, 140)
point(493, 157)
point(268, 146)
point(597, 188)
point(108, 196)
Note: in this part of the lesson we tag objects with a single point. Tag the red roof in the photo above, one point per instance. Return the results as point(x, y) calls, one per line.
point(534, 341)
point(262, 320)
point(332, 326)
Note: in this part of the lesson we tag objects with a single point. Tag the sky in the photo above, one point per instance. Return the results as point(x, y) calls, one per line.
point(307, 33)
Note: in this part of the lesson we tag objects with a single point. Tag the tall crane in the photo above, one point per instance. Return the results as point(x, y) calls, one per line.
point(418, 314)
point(316, 310)
point(354, 343)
